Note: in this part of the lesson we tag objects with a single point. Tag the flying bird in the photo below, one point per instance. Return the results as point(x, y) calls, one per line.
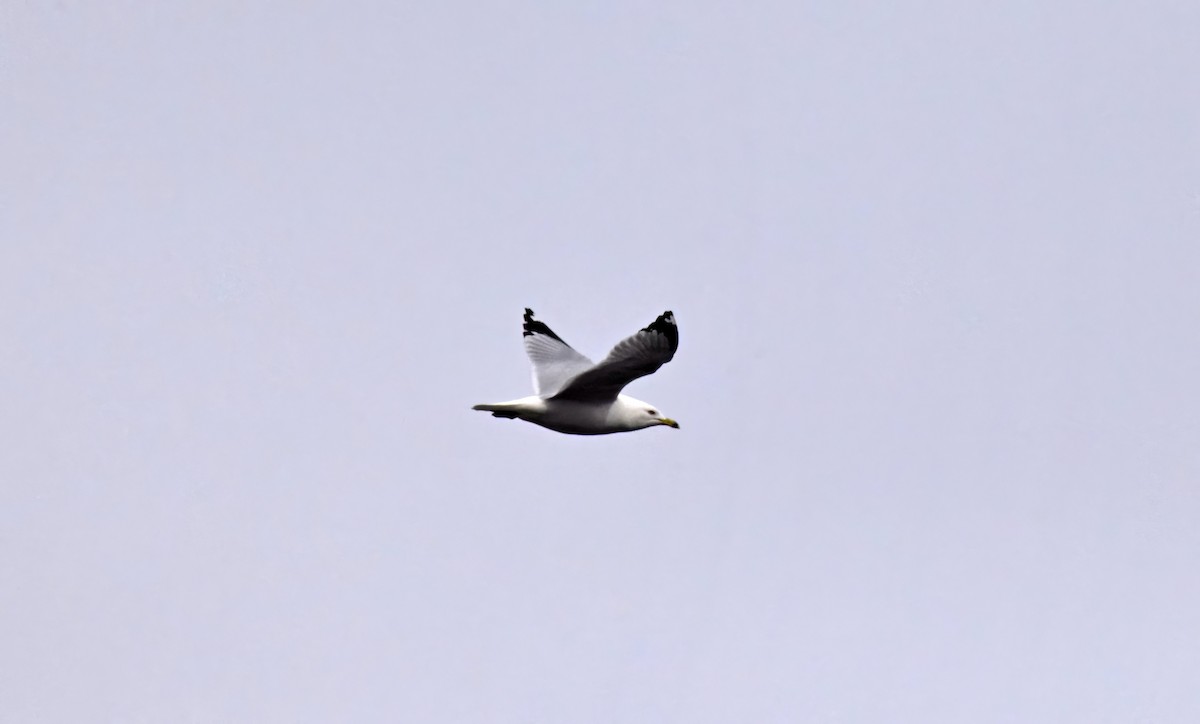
point(576, 396)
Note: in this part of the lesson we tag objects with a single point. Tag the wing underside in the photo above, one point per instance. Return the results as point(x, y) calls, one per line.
point(554, 361)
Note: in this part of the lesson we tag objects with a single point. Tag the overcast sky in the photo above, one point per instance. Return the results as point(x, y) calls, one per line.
point(936, 268)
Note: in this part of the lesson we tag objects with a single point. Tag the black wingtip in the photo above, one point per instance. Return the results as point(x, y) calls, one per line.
point(533, 326)
point(665, 325)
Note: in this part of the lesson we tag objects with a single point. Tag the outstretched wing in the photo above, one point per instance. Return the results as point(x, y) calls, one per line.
point(554, 361)
point(633, 357)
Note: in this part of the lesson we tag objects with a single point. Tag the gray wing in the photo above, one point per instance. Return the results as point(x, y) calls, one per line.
point(633, 357)
point(554, 361)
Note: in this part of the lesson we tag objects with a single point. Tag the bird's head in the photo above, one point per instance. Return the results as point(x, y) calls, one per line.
point(650, 416)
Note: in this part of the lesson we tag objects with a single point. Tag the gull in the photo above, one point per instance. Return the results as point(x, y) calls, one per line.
point(578, 397)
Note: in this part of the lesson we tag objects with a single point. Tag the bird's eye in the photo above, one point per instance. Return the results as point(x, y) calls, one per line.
point(653, 412)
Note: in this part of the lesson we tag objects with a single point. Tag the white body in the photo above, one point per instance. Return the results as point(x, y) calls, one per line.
point(625, 414)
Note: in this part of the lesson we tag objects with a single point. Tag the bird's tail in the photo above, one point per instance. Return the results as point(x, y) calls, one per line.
point(500, 409)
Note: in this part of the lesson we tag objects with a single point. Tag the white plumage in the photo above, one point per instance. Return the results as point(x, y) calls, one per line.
point(576, 396)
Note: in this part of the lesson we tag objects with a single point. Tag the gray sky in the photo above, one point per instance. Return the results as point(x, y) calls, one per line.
point(936, 270)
